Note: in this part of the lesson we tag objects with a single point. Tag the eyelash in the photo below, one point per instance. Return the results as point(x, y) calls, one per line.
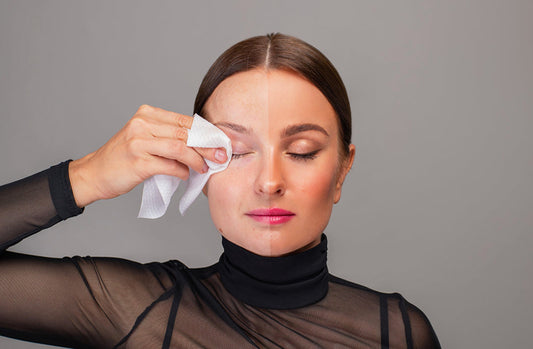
point(295, 156)
point(304, 157)
point(236, 156)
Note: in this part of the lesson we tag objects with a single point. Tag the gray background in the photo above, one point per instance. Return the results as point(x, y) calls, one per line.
point(438, 205)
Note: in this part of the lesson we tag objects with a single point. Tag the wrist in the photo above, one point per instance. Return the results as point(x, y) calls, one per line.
point(82, 189)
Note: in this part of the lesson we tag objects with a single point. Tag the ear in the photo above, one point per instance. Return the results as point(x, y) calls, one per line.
point(345, 168)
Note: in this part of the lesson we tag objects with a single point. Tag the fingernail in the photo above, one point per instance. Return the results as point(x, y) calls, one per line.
point(220, 155)
point(204, 170)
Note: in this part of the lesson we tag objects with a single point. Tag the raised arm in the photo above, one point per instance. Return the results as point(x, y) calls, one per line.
point(153, 141)
point(87, 302)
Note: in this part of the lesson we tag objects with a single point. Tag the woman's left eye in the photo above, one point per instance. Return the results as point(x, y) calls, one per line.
point(304, 156)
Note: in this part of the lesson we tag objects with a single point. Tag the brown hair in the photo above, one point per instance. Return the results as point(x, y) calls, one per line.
point(279, 51)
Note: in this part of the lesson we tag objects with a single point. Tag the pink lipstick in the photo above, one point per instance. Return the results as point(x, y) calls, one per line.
point(271, 215)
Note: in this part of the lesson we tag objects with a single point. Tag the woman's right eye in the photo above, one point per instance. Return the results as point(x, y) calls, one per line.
point(236, 156)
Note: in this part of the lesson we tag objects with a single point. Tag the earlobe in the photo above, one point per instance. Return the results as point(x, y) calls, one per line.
point(346, 167)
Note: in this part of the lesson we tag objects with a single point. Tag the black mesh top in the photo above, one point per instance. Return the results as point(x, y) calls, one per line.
point(243, 301)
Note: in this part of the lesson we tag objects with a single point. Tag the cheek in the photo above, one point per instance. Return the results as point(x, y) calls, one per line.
point(218, 188)
point(225, 192)
point(231, 182)
point(316, 186)
point(316, 182)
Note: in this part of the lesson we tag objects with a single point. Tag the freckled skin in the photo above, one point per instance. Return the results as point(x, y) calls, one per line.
point(267, 175)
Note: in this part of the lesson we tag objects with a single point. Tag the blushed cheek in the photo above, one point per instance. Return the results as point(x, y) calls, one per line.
point(317, 186)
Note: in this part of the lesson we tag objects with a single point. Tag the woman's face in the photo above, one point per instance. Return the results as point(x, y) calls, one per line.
point(278, 191)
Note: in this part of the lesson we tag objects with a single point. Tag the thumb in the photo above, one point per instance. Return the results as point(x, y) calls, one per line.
point(214, 154)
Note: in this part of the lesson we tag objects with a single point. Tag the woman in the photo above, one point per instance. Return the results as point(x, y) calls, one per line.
point(286, 111)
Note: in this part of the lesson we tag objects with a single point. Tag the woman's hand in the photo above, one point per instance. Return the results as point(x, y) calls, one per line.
point(154, 141)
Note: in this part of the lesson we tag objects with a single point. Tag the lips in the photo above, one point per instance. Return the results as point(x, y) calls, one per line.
point(271, 215)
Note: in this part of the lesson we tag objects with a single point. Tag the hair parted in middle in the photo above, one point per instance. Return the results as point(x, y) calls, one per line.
point(282, 52)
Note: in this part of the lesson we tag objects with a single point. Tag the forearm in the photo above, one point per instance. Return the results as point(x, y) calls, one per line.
point(35, 203)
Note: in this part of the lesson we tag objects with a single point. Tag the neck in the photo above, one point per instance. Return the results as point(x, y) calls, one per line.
point(290, 281)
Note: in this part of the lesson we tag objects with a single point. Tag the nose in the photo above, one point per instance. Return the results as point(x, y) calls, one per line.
point(270, 179)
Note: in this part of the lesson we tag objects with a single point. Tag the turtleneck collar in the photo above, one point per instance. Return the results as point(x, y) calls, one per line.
point(286, 282)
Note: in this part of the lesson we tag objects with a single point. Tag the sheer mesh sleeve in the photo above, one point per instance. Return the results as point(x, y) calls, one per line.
point(74, 302)
point(418, 330)
point(35, 203)
point(423, 335)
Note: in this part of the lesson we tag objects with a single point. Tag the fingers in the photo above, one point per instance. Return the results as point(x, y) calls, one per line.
point(175, 150)
point(181, 134)
point(160, 130)
point(165, 116)
point(163, 134)
point(170, 167)
point(160, 123)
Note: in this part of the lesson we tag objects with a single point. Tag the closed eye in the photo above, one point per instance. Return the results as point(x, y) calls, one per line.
point(236, 156)
point(304, 156)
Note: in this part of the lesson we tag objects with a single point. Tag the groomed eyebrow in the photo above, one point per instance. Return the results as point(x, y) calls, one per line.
point(287, 132)
point(294, 129)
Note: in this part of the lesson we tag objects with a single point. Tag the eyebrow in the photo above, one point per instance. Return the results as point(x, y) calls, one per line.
point(287, 132)
point(294, 129)
point(234, 127)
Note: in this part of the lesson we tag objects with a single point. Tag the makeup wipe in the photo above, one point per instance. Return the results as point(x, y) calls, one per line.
point(158, 189)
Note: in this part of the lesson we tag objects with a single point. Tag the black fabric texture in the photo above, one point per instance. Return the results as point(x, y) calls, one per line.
point(242, 301)
point(275, 282)
point(61, 191)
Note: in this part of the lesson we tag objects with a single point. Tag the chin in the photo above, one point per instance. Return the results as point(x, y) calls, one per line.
point(282, 244)
point(271, 241)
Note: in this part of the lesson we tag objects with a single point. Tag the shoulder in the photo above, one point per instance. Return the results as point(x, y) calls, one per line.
point(153, 277)
point(404, 321)
point(422, 334)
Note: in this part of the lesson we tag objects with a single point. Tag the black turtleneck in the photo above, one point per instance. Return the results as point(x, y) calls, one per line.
point(243, 301)
point(286, 282)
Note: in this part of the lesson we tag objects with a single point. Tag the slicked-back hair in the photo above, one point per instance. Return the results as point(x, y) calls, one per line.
point(282, 52)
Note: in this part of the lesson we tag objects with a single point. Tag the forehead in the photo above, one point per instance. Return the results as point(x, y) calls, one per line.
point(259, 98)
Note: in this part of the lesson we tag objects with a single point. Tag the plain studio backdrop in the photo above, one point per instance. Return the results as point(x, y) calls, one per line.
point(438, 204)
